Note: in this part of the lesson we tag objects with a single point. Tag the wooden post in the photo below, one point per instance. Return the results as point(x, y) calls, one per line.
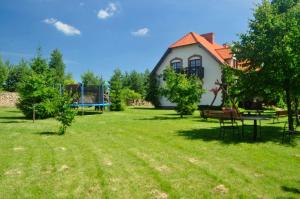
point(33, 113)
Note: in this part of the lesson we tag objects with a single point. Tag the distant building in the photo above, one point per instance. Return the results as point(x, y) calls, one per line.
point(197, 55)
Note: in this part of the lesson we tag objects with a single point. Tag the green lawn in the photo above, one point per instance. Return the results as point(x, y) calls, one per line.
point(142, 153)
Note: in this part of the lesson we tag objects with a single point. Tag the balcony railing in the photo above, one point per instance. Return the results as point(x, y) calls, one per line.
point(196, 71)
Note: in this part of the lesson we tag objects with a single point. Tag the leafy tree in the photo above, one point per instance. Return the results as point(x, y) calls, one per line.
point(57, 66)
point(3, 73)
point(183, 90)
point(129, 96)
point(116, 87)
point(152, 89)
point(89, 78)
point(135, 81)
point(68, 79)
point(64, 113)
point(16, 74)
point(271, 48)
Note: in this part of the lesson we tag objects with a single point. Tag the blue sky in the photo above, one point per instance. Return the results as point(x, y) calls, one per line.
point(101, 35)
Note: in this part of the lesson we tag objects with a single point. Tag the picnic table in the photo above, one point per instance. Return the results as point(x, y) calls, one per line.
point(255, 118)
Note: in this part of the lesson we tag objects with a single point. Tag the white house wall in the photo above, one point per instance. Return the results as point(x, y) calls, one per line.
point(212, 71)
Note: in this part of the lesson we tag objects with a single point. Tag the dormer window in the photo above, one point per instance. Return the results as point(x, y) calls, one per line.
point(176, 65)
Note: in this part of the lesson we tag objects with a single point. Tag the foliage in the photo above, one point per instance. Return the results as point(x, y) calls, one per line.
point(39, 64)
point(64, 113)
point(271, 48)
point(3, 73)
point(182, 90)
point(136, 81)
point(129, 96)
point(68, 79)
point(89, 78)
point(57, 66)
point(16, 74)
point(38, 91)
point(153, 91)
point(115, 84)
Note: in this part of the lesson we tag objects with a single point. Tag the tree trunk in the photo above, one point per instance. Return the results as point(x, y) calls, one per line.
point(289, 105)
point(296, 110)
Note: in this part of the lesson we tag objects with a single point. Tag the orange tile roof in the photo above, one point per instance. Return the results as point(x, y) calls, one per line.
point(221, 53)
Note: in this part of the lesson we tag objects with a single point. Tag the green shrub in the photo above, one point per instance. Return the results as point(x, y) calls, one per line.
point(183, 90)
point(64, 113)
point(129, 96)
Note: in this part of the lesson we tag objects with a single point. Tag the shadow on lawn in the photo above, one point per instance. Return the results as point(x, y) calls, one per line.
point(161, 118)
point(290, 189)
point(11, 119)
point(268, 134)
point(48, 133)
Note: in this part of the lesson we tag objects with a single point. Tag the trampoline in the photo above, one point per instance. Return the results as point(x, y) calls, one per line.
point(88, 96)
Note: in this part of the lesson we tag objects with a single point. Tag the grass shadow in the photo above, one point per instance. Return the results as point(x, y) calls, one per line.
point(162, 118)
point(79, 113)
point(48, 133)
point(144, 108)
point(290, 189)
point(268, 134)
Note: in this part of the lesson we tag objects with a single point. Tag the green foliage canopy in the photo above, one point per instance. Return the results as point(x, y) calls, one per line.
point(271, 47)
point(183, 90)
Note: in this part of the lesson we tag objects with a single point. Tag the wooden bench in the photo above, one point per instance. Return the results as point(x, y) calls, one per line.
point(279, 114)
point(227, 119)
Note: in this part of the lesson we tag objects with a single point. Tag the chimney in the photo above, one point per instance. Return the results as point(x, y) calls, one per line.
point(209, 37)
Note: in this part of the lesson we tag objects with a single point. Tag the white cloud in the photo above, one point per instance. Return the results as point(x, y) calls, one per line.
point(107, 12)
point(63, 27)
point(141, 32)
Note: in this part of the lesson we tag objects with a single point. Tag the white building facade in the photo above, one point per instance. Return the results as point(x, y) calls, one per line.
point(198, 55)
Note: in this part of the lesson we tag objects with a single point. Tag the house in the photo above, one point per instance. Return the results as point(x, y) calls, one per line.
point(197, 55)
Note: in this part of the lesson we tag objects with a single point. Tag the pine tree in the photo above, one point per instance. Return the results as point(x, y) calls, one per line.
point(115, 85)
point(57, 66)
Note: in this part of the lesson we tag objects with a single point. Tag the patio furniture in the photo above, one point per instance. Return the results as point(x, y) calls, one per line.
point(287, 133)
point(227, 120)
point(255, 118)
point(279, 114)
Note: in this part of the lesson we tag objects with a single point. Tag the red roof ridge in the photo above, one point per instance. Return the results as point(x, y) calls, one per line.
point(212, 47)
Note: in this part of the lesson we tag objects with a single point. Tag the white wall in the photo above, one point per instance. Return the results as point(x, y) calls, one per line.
point(212, 71)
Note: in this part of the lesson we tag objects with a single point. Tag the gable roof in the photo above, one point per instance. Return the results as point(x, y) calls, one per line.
point(206, 41)
point(221, 53)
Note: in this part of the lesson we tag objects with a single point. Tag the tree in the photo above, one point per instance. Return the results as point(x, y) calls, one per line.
point(16, 74)
point(271, 48)
point(89, 78)
point(57, 66)
point(68, 79)
point(39, 64)
point(38, 91)
point(64, 113)
point(3, 73)
point(116, 87)
point(135, 81)
point(152, 89)
point(130, 96)
point(183, 90)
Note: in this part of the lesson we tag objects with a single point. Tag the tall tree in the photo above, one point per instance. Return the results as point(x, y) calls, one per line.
point(89, 78)
point(116, 87)
point(57, 66)
point(39, 64)
point(16, 74)
point(3, 73)
point(271, 47)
